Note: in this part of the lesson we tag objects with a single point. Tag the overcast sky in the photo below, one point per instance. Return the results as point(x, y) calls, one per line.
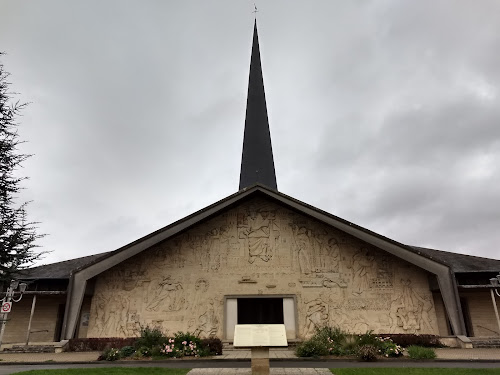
point(385, 113)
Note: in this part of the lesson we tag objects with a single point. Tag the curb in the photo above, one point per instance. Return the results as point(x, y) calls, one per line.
point(276, 360)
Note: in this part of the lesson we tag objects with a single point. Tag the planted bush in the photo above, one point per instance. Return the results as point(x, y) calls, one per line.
point(213, 345)
point(420, 352)
point(335, 341)
point(405, 340)
point(388, 348)
point(325, 341)
point(183, 345)
point(110, 354)
point(126, 351)
point(367, 352)
point(368, 338)
point(150, 337)
point(312, 348)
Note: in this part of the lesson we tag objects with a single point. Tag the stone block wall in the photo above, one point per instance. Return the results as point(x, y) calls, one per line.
point(261, 248)
point(43, 326)
point(481, 311)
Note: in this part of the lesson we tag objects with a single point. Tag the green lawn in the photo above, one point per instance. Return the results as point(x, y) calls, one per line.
point(414, 371)
point(110, 371)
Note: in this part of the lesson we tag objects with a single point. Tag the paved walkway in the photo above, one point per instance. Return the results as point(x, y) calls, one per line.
point(468, 354)
point(50, 357)
point(248, 371)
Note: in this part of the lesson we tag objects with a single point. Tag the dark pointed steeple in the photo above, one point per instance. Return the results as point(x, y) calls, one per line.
point(257, 163)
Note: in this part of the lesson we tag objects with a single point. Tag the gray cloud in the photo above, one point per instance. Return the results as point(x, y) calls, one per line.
point(383, 113)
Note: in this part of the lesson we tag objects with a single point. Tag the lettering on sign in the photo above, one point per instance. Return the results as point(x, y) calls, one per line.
point(250, 335)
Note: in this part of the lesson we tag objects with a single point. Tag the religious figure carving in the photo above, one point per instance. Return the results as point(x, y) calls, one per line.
point(361, 265)
point(333, 250)
point(302, 244)
point(99, 304)
point(208, 322)
point(316, 315)
point(168, 293)
point(407, 309)
point(258, 231)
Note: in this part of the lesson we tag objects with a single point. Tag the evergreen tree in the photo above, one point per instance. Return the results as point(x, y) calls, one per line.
point(17, 233)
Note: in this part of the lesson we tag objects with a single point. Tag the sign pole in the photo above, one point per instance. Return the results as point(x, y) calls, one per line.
point(2, 330)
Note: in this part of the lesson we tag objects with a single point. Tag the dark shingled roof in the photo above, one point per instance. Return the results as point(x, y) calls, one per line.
point(461, 262)
point(59, 270)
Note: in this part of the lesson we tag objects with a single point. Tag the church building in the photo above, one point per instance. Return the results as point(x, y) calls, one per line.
point(258, 256)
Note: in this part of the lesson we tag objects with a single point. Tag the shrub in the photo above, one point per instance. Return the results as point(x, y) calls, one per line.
point(368, 338)
point(349, 346)
point(311, 348)
point(327, 341)
point(335, 334)
point(367, 353)
point(405, 340)
point(213, 345)
point(388, 348)
point(150, 337)
point(182, 345)
point(143, 351)
point(126, 351)
point(110, 354)
point(420, 352)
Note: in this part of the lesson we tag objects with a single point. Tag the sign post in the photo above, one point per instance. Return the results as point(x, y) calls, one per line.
point(6, 307)
point(6, 303)
point(259, 337)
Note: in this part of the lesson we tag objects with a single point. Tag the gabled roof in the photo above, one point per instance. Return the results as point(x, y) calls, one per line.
point(456, 262)
point(292, 203)
point(461, 263)
point(58, 270)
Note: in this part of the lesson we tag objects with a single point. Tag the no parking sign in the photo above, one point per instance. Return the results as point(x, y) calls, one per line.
point(6, 306)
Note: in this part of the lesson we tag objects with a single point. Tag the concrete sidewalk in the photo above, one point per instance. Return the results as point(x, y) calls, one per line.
point(247, 371)
point(282, 354)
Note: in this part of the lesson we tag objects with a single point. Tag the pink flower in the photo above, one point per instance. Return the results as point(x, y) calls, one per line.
point(184, 343)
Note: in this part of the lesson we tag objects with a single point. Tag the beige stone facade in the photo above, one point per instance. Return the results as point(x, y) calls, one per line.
point(261, 249)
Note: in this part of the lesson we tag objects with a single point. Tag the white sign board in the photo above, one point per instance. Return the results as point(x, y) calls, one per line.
point(259, 335)
point(6, 306)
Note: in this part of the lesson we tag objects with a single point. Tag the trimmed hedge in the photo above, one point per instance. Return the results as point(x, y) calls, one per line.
point(100, 344)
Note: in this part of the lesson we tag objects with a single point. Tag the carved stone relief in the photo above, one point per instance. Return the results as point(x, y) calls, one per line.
point(164, 295)
point(316, 315)
point(260, 248)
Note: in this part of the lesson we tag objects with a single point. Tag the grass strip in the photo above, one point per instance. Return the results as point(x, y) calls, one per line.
point(415, 371)
point(110, 371)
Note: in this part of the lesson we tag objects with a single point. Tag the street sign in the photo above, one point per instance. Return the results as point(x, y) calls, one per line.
point(6, 306)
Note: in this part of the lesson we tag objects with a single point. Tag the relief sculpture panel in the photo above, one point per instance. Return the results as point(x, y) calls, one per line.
point(261, 248)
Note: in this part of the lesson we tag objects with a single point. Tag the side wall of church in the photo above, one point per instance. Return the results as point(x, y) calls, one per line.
point(482, 312)
point(261, 248)
point(45, 319)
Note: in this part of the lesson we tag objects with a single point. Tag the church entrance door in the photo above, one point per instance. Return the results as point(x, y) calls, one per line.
point(260, 310)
